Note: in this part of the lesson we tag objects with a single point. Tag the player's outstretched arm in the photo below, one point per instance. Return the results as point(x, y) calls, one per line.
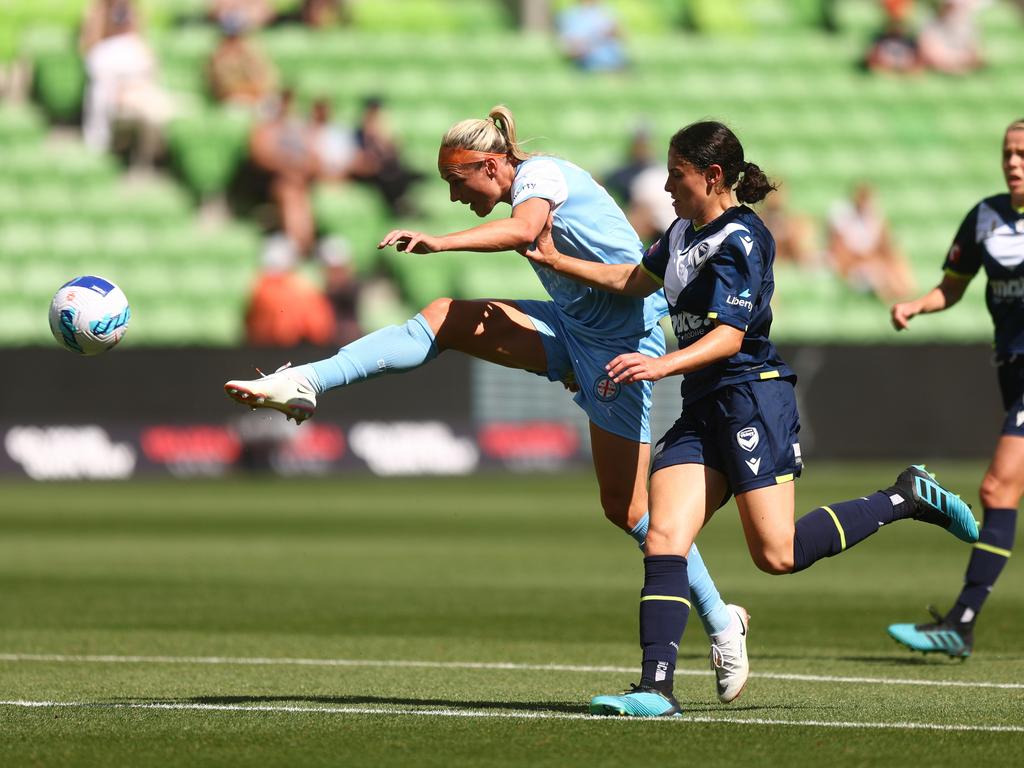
point(512, 234)
point(721, 343)
point(627, 279)
point(941, 297)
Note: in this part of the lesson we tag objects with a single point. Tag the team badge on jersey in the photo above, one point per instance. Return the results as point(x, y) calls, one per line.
point(747, 439)
point(701, 255)
point(605, 389)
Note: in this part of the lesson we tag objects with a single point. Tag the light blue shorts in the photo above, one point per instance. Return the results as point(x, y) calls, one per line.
point(622, 409)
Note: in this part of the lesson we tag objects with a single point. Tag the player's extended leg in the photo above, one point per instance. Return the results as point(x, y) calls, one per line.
point(624, 500)
point(1001, 489)
point(492, 330)
point(683, 496)
point(777, 545)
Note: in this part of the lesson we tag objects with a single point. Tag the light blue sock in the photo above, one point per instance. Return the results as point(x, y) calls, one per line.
point(394, 349)
point(709, 604)
point(639, 531)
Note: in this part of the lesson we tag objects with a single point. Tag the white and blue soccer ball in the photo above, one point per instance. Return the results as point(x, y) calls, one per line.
point(89, 315)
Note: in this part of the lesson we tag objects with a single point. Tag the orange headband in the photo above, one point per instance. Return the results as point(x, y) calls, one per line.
point(450, 156)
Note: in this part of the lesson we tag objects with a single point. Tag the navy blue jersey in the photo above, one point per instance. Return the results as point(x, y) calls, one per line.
point(992, 236)
point(720, 273)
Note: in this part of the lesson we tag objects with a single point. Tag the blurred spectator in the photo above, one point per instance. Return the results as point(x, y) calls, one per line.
point(338, 153)
point(861, 249)
point(650, 209)
point(639, 186)
point(385, 168)
point(242, 14)
point(793, 233)
point(894, 50)
point(898, 10)
point(639, 157)
point(949, 42)
point(106, 18)
point(341, 287)
point(285, 308)
point(590, 36)
point(281, 147)
point(238, 72)
point(122, 81)
point(318, 14)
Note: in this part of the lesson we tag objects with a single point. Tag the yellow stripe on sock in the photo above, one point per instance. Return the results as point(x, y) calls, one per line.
point(842, 533)
point(993, 550)
point(667, 597)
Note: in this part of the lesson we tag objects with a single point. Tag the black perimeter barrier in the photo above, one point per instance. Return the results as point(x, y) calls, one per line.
point(857, 402)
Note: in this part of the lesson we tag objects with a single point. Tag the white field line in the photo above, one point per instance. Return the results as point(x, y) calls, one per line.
point(274, 661)
point(450, 712)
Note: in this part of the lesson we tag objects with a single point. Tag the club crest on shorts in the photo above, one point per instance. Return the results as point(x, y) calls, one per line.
point(747, 438)
point(605, 389)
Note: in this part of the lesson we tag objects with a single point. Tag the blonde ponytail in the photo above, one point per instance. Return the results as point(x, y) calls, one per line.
point(494, 135)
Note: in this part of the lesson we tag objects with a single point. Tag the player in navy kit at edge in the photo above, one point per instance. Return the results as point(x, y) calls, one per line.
point(738, 430)
point(992, 236)
point(568, 339)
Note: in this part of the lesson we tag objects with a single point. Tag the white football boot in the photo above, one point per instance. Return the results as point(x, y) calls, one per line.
point(729, 656)
point(283, 390)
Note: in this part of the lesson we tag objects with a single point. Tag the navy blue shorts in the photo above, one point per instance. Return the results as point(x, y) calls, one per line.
point(746, 431)
point(1011, 385)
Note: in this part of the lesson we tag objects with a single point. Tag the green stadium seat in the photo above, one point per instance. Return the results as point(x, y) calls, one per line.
point(19, 124)
point(22, 241)
point(24, 322)
point(497, 278)
point(207, 148)
point(60, 83)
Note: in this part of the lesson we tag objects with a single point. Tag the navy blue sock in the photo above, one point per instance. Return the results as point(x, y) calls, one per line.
point(664, 608)
point(827, 531)
point(987, 561)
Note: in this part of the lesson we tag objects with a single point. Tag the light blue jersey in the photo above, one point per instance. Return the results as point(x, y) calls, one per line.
point(588, 225)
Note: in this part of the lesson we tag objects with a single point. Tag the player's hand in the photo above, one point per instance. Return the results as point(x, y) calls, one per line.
point(543, 250)
point(408, 241)
point(569, 382)
point(901, 315)
point(634, 366)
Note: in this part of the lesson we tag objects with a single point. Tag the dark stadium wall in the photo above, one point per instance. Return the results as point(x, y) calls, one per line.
point(163, 409)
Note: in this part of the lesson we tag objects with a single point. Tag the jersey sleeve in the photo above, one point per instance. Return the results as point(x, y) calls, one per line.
point(964, 257)
point(738, 270)
point(655, 260)
point(540, 177)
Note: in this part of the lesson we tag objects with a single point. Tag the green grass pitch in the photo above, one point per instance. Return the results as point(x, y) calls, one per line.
point(361, 621)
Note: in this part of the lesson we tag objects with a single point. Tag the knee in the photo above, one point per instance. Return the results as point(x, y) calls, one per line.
point(665, 542)
point(775, 561)
point(996, 493)
point(621, 509)
point(436, 312)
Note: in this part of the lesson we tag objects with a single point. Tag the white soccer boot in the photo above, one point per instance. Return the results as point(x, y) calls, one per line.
point(283, 390)
point(729, 656)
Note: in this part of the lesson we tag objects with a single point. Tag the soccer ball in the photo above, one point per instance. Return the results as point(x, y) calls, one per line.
point(89, 315)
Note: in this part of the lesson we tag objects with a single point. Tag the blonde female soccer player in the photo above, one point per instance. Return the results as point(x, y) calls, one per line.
point(991, 236)
point(738, 432)
point(568, 339)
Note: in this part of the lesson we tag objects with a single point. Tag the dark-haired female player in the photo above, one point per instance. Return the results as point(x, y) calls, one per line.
point(991, 236)
point(738, 430)
point(569, 338)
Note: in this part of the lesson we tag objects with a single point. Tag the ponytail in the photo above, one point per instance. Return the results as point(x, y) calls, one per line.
point(710, 143)
point(754, 186)
point(494, 135)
